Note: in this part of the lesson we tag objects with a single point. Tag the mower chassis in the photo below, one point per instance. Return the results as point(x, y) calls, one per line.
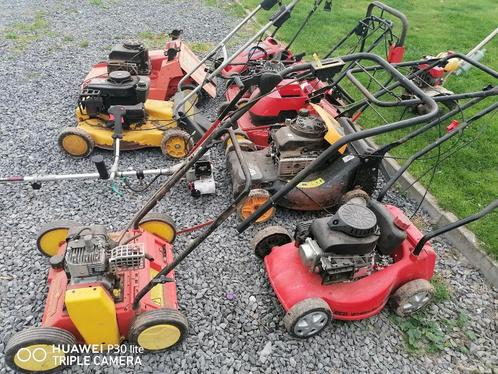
point(363, 298)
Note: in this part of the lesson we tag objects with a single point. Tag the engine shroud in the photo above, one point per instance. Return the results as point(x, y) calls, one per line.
point(341, 247)
point(131, 56)
point(297, 144)
point(119, 88)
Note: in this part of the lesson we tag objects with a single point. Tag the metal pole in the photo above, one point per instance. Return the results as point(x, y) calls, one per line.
point(454, 225)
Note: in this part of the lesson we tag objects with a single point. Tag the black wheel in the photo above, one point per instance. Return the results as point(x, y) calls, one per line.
point(52, 235)
point(38, 350)
point(161, 225)
point(353, 194)
point(76, 142)
point(411, 296)
point(307, 318)
point(266, 239)
point(159, 329)
point(176, 143)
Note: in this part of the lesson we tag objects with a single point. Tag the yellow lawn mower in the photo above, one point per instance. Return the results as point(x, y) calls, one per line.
point(146, 123)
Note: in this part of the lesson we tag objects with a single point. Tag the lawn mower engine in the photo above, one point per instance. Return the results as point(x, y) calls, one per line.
point(298, 143)
point(119, 88)
point(293, 146)
point(351, 244)
point(131, 56)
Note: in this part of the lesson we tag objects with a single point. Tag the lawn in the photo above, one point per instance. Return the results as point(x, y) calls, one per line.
point(467, 181)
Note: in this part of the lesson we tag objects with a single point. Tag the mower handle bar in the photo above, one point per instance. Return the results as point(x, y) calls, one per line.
point(177, 114)
point(265, 4)
point(442, 230)
point(433, 145)
point(333, 148)
point(431, 63)
point(213, 226)
point(459, 109)
point(396, 13)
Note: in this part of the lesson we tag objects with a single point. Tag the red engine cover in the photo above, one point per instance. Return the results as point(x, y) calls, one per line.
point(292, 282)
point(55, 314)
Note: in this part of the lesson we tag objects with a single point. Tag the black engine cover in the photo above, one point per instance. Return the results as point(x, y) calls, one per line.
point(120, 88)
point(340, 243)
point(131, 56)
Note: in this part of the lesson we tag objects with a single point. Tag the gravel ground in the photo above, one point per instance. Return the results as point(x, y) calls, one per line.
point(240, 334)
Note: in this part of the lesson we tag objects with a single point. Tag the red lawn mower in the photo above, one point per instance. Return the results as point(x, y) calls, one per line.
point(371, 31)
point(164, 67)
point(291, 97)
point(348, 266)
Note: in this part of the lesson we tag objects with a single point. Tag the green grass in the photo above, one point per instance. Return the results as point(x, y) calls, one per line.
point(22, 34)
point(152, 39)
point(427, 331)
point(467, 181)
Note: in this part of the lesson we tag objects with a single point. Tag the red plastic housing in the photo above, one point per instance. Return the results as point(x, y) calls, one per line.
point(55, 314)
point(360, 299)
point(289, 97)
point(165, 75)
point(271, 46)
point(395, 54)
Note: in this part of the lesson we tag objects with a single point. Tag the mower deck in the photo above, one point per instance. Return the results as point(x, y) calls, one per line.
point(161, 296)
point(360, 299)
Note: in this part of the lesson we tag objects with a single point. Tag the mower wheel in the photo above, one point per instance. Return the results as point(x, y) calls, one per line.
point(76, 142)
point(243, 141)
point(37, 349)
point(202, 95)
point(161, 225)
point(52, 235)
point(269, 237)
point(307, 318)
point(411, 296)
point(252, 202)
point(157, 330)
point(348, 196)
point(176, 143)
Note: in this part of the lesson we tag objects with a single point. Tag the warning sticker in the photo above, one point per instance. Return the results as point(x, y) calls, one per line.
point(311, 184)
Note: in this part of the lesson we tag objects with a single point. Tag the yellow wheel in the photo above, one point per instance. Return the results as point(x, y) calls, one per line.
point(38, 350)
point(245, 144)
point(160, 225)
point(76, 142)
point(159, 329)
point(51, 236)
point(252, 202)
point(176, 143)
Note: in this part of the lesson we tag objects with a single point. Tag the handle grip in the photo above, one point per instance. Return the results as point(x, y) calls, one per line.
point(118, 112)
